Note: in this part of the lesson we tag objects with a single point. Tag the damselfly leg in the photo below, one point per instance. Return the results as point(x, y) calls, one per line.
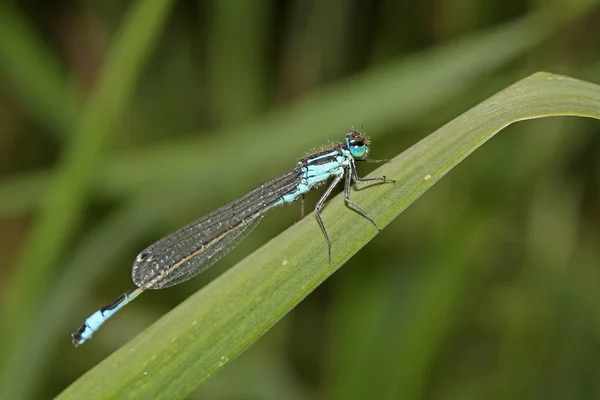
point(351, 202)
point(320, 203)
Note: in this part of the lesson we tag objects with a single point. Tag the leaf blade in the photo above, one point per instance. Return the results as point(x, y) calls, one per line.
point(185, 347)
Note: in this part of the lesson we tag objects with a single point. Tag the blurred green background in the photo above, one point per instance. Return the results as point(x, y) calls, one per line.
point(122, 121)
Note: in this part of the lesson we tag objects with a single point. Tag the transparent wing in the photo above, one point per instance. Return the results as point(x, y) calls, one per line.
point(192, 249)
point(195, 265)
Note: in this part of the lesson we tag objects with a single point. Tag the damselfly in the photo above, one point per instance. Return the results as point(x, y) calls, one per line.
point(192, 249)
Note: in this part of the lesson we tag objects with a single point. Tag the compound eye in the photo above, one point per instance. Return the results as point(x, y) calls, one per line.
point(358, 151)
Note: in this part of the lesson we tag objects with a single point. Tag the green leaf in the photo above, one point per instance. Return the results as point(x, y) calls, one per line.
point(185, 347)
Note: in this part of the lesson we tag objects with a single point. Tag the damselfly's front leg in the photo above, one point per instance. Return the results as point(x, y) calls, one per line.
point(382, 179)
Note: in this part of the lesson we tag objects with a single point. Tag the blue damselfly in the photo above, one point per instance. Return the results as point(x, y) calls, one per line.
point(190, 250)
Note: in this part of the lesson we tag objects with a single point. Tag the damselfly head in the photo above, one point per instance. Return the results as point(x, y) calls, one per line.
point(358, 144)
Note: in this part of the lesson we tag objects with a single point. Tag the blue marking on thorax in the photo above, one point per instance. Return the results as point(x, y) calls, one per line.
point(317, 158)
point(314, 173)
point(320, 169)
point(316, 179)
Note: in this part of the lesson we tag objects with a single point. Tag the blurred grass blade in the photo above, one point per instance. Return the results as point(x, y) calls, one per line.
point(237, 30)
point(34, 72)
point(526, 344)
point(384, 96)
point(62, 206)
point(185, 347)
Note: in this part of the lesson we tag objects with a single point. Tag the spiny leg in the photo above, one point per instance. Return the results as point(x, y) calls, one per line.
point(370, 160)
point(327, 193)
point(352, 203)
point(382, 179)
